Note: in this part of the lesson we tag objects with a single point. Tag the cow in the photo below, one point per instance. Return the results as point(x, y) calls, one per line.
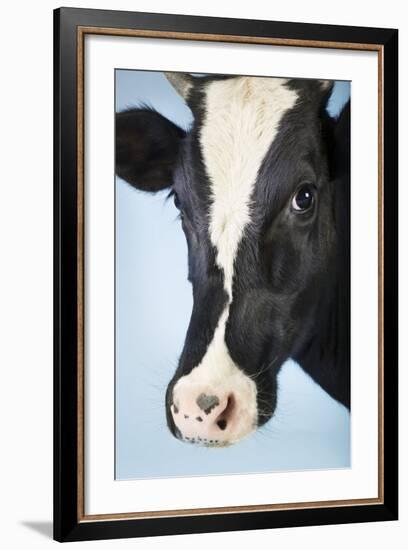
point(261, 181)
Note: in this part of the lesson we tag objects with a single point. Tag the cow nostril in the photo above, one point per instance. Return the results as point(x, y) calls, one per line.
point(223, 418)
point(222, 424)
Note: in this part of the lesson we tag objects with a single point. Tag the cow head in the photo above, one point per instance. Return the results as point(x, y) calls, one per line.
point(252, 181)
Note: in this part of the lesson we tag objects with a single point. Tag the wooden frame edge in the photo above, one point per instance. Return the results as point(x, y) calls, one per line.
point(81, 32)
point(80, 275)
point(239, 39)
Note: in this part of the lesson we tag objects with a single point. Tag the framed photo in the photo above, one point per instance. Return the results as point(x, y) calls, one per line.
point(225, 274)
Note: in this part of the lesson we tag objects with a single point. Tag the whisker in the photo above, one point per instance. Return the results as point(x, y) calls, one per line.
point(264, 368)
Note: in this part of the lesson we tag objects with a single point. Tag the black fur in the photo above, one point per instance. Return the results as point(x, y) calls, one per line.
point(291, 288)
point(146, 147)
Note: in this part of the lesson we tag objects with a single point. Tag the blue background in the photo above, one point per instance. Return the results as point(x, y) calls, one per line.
point(153, 303)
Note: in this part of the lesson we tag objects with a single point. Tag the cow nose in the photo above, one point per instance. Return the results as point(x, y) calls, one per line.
point(205, 418)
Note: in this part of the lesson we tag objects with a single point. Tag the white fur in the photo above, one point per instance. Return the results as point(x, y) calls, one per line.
point(241, 121)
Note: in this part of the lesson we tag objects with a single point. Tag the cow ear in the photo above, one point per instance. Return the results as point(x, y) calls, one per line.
point(342, 141)
point(147, 146)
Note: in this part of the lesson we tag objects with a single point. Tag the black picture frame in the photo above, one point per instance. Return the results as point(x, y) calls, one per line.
point(69, 522)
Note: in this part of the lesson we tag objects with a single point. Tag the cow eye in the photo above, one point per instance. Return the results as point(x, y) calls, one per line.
point(304, 198)
point(177, 204)
point(176, 201)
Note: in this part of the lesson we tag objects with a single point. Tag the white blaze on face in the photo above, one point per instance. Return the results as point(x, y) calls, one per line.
point(242, 117)
point(241, 122)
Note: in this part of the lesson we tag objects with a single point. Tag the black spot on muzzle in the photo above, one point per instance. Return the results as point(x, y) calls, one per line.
point(207, 402)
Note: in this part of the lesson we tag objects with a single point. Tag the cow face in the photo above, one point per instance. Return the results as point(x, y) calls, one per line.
point(251, 180)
